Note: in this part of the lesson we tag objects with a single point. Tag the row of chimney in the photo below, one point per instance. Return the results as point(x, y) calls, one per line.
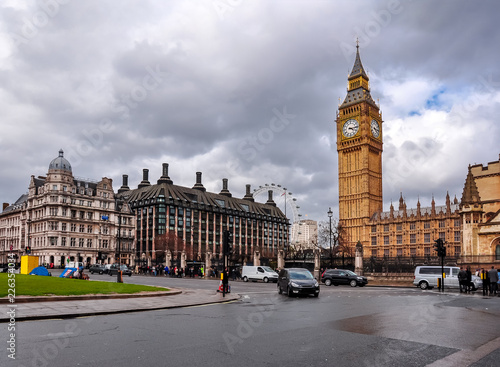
point(198, 185)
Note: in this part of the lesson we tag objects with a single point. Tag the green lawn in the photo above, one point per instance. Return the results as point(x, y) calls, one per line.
point(34, 285)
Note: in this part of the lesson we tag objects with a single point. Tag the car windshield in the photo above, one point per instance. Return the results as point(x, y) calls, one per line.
point(268, 269)
point(300, 275)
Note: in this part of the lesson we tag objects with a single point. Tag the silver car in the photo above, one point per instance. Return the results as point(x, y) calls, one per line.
point(427, 276)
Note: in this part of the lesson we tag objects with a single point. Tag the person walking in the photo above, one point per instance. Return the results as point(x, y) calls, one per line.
point(493, 277)
point(486, 281)
point(469, 279)
point(462, 280)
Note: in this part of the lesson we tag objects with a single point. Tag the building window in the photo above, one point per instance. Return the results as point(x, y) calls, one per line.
point(442, 235)
point(442, 224)
point(89, 228)
point(63, 227)
point(82, 228)
point(413, 251)
point(89, 242)
point(399, 239)
point(458, 251)
point(456, 236)
point(399, 227)
point(427, 251)
point(374, 252)
point(399, 252)
point(386, 240)
point(374, 229)
point(457, 222)
point(73, 227)
point(80, 242)
point(412, 225)
point(413, 238)
point(386, 252)
point(374, 241)
point(386, 228)
point(63, 241)
point(72, 242)
point(427, 225)
point(105, 243)
point(427, 238)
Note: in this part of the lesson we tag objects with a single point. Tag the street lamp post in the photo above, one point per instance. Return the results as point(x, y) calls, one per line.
point(119, 275)
point(330, 214)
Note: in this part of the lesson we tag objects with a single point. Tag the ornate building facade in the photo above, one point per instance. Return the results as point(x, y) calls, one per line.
point(192, 221)
point(480, 211)
point(470, 228)
point(63, 218)
point(359, 147)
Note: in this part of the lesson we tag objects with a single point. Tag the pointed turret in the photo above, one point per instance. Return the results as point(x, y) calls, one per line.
point(471, 193)
point(357, 69)
point(358, 87)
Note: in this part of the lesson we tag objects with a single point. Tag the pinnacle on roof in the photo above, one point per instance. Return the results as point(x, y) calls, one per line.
point(470, 193)
point(357, 69)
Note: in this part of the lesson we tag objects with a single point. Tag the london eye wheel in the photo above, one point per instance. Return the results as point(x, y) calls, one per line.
point(286, 202)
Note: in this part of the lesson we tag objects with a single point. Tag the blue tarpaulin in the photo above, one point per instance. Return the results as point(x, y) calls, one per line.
point(67, 272)
point(40, 270)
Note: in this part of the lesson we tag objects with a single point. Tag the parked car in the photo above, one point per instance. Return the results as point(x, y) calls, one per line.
point(98, 268)
point(264, 273)
point(297, 281)
point(427, 277)
point(113, 270)
point(343, 277)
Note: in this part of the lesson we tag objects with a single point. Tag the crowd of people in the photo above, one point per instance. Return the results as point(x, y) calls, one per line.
point(490, 280)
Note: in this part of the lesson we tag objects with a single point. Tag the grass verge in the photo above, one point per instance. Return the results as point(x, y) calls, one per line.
point(34, 285)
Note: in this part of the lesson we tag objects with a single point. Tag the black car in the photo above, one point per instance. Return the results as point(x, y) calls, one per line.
point(98, 268)
point(343, 277)
point(297, 281)
point(113, 270)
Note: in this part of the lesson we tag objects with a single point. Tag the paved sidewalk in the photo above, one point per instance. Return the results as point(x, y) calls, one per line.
point(89, 307)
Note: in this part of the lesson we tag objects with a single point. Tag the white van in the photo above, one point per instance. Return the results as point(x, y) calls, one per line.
point(264, 273)
point(427, 277)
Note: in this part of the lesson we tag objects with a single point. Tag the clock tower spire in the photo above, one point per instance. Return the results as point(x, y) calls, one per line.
point(359, 147)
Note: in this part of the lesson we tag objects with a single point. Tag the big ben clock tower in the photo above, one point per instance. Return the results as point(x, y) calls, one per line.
point(359, 147)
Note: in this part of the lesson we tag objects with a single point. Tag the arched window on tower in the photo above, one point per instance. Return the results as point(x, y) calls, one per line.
point(497, 253)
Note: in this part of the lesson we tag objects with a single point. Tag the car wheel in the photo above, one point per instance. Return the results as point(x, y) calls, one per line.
point(280, 291)
point(130, 275)
point(99, 272)
point(245, 279)
point(266, 280)
point(423, 285)
point(328, 282)
point(353, 283)
point(91, 272)
point(473, 288)
point(316, 295)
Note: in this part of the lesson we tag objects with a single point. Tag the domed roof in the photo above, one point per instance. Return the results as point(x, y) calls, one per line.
point(60, 163)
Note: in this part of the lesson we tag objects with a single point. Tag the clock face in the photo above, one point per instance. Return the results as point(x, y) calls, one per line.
point(350, 128)
point(375, 128)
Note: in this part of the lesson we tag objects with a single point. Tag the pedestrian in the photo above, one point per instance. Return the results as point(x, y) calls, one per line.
point(469, 279)
point(166, 270)
point(486, 281)
point(493, 276)
point(462, 280)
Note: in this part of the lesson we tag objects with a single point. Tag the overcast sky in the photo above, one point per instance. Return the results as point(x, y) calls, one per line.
point(247, 90)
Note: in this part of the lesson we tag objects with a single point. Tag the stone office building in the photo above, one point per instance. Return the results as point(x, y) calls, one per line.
point(182, 226)
point(65, 218)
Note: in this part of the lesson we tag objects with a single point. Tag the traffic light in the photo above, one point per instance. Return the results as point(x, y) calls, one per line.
point(437, 246)
point(440, 248)
point(227, 243)
point(28, 250)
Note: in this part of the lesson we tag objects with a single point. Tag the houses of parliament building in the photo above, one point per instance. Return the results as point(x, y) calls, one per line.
point(470, 227)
